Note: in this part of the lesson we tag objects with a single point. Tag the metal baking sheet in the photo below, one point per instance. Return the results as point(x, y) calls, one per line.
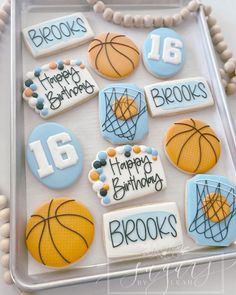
point(27, 193)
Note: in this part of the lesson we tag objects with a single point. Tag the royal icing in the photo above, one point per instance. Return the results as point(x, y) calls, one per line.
point(163, 52)
point(210, 210)
point(58, 86)
point(59, 232)
point(179, 96)
point(126, 172)
point(57, 34)
point(141, 231)
point(123, 113)
point(113, 55)
point(54, 155)
point(192, 146)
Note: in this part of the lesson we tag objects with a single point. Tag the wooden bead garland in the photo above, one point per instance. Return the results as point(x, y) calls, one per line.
point(148, 21)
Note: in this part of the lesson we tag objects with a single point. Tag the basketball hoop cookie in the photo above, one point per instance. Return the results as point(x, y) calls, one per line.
point(114, 56)
point(59, 232)
point(192, 146)
point(210, 210)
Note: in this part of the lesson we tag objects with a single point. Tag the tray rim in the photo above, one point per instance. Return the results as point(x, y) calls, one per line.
point(23, 284)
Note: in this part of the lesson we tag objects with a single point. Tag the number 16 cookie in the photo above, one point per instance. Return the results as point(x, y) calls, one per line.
point(54, 155)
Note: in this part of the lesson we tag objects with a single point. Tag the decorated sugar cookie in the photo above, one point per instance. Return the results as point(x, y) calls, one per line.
point(54, 155)
point(57, 34)
point(123, 113)
point(141, 231)
point(113, 55)
point(164, 52)
point(179, 96)
point(58, 86)
point(210, 210)
point(59, 232)
point(125, 173)
point(192, 146)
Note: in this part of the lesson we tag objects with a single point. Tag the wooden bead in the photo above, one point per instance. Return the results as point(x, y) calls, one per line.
point(226, 54)
point(177, 19)
point(92, 2)
point(138, 21)
point(233, 80)
point(148, 21)
point(222, 73)
point(117, 18)
point(215, 30)
point(7, 278)
point(5, 230)
point(7, 8)
point(5, 260)
point(167, 21)
point(217, 38)
point(233, 60)
point(2, 25)
point(5, 215)
point(5, 245)
point(185, 13)
point(207, 10)
point(230, 88)
point(211, 21)
point(99, 7)
point(108, 14)
point(193, 6)
point(229, 67)
point(128, 20)
point(158, 21)
point(3, 16)
point(220, 47)
point(224, 82)
point(3, 202)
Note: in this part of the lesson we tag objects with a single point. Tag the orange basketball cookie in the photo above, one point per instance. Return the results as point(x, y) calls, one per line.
point(192, 146)
point(59, 232)
point(113, 55)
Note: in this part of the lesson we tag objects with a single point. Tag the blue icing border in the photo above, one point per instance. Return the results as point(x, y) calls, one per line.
point(210, 233)
point(61, 178)
point(159, 67)
point(122, 131)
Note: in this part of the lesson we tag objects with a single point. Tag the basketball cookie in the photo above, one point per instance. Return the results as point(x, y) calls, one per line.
point(192, 146)
point(123, 113)
point(113, 55)
point(210, 210)
point(59, 232)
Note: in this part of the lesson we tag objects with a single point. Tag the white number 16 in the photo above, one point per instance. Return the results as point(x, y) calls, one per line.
point(63, 155)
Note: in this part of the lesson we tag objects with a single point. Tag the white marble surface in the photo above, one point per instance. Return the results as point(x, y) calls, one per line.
point(217, 278)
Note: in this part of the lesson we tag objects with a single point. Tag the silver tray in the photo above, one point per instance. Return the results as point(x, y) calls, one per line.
point(27, 193)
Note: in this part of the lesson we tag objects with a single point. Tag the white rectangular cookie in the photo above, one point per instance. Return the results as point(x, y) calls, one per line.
point(144, 230)
point(57, 34)
point(178, 96)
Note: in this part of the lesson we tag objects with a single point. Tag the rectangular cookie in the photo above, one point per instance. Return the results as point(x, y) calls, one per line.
point(178, 96)
point(57, 34)
point(144, 230)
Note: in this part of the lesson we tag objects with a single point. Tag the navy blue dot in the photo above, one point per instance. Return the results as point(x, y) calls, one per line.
point(28, 82)
point(127, 154)
point(103, 162)
point(35, 94)
point(60, 67)
point(39, 105)
point(97, 164)
point(103, 192)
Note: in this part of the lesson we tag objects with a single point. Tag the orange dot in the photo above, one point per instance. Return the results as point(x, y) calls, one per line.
point(111, 152)
point(154, 158)
point(82, 66)
point(28, 92)
point(52, 65)
point(106, 187)
point(136, 149)
point(94, 175)
point(67, 62)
